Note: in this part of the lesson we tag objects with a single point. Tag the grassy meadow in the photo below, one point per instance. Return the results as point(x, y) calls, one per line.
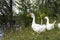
point(28, 34)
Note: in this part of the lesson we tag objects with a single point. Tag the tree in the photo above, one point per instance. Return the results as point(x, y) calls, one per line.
point(6, 11)
point(24, 7)
point(11, 13)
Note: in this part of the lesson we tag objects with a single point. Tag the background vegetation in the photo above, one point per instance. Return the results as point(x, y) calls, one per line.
point(40, 8)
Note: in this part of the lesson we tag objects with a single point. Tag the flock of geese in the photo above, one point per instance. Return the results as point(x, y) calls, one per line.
point(42, 27)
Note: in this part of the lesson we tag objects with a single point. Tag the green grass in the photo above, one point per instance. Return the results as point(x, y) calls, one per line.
point(28, 34)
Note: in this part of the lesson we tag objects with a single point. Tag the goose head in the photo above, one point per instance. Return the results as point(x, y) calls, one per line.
point(32, 15)
point(46, 17)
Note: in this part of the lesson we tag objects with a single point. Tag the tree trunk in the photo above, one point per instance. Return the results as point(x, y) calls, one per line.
point(11, 13)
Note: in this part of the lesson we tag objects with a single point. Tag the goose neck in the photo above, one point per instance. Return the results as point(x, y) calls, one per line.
point(33, 20)
point(47, 21)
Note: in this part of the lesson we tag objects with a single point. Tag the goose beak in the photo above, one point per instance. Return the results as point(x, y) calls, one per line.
point(30, 14)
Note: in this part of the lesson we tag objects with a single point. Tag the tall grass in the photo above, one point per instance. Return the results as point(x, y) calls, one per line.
point(28, 34)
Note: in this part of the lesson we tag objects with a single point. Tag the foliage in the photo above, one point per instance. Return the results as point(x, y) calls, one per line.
point(40, 8)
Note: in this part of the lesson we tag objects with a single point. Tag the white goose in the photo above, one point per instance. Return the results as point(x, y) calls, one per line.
point(49, 26)
point(58, 25)
point(37, 27)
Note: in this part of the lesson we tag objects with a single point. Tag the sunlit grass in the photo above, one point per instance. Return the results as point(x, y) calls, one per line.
point(28, 34)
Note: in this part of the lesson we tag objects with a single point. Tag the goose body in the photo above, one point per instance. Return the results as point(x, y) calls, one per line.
point(49, 26)
point(37, 27)
point(58, 25)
